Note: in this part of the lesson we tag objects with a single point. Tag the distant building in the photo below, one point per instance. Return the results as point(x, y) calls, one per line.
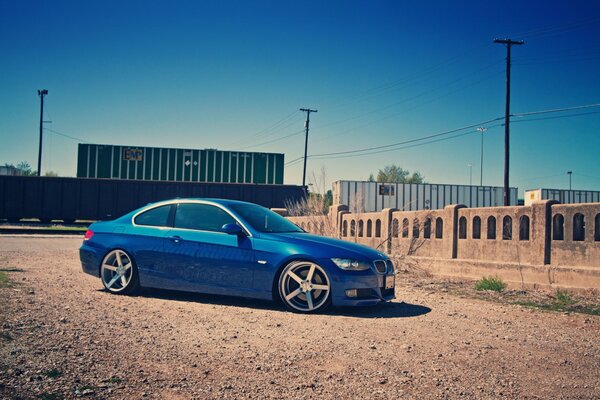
point(562, 195)
point(10, 170)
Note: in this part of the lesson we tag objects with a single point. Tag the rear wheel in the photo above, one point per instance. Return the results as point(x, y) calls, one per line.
point(119, 273)
point(304, 287)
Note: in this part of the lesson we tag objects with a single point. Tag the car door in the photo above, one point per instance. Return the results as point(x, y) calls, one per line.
point(146, 241)
point(202, 257)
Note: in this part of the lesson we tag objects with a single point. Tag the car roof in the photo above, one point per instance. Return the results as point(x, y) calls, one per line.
point(223, 202)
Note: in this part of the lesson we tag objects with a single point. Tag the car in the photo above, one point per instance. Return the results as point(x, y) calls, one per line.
point(233, 248)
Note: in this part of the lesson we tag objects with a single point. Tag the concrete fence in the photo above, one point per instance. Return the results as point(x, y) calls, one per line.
point(546, 243)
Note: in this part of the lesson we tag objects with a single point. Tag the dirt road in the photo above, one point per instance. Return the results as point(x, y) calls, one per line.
point(62, 336)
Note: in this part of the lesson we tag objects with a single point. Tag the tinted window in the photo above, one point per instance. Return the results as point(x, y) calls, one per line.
point(158, 216)
point(203, 217)
point(264, 220)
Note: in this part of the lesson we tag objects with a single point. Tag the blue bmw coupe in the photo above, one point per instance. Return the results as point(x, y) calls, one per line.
point(233, 248)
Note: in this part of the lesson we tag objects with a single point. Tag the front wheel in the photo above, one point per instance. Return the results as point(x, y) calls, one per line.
point(304, 287)
point(118, 273)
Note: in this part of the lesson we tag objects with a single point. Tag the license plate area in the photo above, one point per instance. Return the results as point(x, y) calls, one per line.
point(390, 281)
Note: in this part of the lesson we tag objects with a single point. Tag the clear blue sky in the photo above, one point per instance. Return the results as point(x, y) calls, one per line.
point(222, 74)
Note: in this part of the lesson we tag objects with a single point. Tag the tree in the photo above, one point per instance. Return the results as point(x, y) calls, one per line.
point(396, 174)
point(50, 173)
point(26, 169)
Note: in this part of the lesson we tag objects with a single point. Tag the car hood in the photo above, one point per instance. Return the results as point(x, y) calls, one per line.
point(321, 246)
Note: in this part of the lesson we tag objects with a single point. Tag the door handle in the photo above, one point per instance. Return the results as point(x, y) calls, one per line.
point(174, 239)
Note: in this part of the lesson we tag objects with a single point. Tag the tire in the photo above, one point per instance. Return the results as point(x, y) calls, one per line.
point(304, 287)
point(119, 273)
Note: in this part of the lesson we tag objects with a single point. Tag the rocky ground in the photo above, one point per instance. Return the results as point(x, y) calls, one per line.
point(62, 336)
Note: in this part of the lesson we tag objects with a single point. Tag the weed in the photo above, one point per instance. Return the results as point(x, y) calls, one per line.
point(563, 297)
point(5, 336)
point(4, 281)
point(115, 379)
point(52, 373)
point(490, 283)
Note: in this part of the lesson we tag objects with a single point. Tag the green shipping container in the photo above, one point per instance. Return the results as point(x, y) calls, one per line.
point(181, 165)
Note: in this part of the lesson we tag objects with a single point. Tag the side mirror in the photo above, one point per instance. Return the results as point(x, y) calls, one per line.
point(232, 229)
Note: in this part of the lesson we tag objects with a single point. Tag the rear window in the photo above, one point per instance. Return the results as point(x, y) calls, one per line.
point(158, 216)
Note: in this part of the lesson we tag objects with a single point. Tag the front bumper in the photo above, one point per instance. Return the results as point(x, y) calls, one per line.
point(370, 285)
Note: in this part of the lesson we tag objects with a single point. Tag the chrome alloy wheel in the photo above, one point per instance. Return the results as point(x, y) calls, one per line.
point(304, 286)
point(117, 271)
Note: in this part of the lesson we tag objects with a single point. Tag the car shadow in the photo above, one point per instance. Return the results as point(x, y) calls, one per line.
point(385, 310)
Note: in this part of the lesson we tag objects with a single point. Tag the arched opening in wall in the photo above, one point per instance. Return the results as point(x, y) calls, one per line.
point(491, 228)
point(439, 228)
point(462, 228)
point(369, 228)
point(558, 227)
point(352, 228)
point(416, 228)
point(524, 228)
point(360, 227)
point(405, 228)
point(378, 228)
point(345, 228)
point(476, 227)
point(507, 228)
point(427, 228)
point(578, 227)
point(395, 227)
point(597, 228)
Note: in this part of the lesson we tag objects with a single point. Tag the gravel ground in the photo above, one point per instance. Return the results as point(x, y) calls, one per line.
point(62, 336)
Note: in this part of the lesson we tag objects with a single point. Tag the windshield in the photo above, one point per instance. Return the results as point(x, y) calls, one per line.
point(264, 220)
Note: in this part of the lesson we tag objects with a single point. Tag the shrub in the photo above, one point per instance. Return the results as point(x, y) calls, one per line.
point(490, 283)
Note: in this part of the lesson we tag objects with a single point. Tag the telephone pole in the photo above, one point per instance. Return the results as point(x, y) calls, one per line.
point(509, 43)
point(307, 111)
point(41, 93)
point(481, 130)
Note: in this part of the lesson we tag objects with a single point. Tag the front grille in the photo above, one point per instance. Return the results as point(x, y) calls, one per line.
point(380, 266)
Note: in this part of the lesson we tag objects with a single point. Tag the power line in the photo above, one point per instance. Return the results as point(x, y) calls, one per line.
point(272, 141)
point(65, 135)
point(556, 28)
point(283, 123)
point(556, 110)
point(412, 142)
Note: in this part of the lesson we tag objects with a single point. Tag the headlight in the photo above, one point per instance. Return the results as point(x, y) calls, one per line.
point(351, 265)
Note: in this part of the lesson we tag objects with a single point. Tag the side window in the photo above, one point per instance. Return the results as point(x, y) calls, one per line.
point(202, 217)
point(158, 216)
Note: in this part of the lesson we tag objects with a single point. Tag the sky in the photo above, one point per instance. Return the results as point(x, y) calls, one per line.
point(232, 75)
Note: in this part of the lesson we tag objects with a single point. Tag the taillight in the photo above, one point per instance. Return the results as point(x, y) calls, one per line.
point(88, 235)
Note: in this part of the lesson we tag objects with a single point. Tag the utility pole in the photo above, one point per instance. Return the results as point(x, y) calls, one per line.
point(509, 43)
point(570, 173)
point(41, 93)
point(470, 174)
point(481, 130)
point(307, 111)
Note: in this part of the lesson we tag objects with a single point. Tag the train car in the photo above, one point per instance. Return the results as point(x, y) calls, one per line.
point(180, 165)
point(70, 199)
point(376, 196)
